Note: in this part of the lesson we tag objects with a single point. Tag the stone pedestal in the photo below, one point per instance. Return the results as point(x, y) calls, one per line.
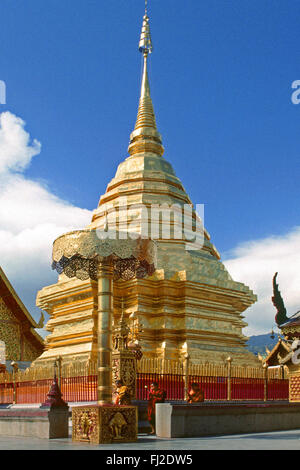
point(212, 419)
point(58, 423)
point(47, 423)
point(58, 414)
point(104, 424)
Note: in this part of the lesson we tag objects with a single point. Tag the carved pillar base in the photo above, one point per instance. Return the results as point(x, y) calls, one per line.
point(104, 424)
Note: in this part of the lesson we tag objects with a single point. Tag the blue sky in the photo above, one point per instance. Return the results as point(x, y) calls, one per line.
point(220, 76)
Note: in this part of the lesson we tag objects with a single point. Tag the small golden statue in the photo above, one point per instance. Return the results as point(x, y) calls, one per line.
point(86, 425)
point(116, 425)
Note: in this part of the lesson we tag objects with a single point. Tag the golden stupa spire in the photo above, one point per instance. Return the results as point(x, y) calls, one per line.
point(145, 137)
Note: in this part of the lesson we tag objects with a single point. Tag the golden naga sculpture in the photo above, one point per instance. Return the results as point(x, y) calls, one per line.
point(286, 352)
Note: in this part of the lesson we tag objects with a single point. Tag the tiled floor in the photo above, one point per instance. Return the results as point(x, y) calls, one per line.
point(282, 440)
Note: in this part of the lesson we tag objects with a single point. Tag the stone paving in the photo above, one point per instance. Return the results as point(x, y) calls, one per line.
point(281, 440)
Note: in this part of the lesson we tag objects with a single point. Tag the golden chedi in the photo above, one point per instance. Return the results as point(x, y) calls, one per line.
point(190, 305)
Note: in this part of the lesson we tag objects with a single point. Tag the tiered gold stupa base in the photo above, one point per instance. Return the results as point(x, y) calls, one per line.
point(178, 316)
point(104, 424)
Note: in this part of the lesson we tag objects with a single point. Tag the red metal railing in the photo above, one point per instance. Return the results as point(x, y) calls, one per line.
point(77, 389)
point(34, 391)
point(6, 393)
point(84, 388)
point(278, 389)
point(247, 389)
point(173, 385)
point(214, 388)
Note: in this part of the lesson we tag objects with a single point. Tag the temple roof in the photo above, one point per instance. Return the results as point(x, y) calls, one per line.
point(294, 320)
point(14, 303)
point(280, 349)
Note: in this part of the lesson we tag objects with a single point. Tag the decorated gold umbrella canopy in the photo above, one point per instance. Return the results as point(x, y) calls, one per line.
point(104, 257)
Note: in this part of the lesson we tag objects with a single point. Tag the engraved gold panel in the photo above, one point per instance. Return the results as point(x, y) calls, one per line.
point(294, 388)
point(104, 424)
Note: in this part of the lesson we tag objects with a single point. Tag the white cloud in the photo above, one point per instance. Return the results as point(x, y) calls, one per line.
point(16, 151)
point(255, 263)
point(31, 217)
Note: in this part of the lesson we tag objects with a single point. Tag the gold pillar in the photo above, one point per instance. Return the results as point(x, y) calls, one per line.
point(105, 314)
point(229, 361)
point(15, 371)
point(103, 424)
point(265, 368)
point(59, 361)
point(91, 257)
point(186, 363)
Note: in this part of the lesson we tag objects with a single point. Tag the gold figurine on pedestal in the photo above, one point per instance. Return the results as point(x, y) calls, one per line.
point(123, 359)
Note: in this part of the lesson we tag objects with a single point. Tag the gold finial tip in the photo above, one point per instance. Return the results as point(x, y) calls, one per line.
point(145, 44)
point(145, 137)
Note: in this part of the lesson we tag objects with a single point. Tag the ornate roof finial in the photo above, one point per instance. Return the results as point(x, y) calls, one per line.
point(281, 316)
point(145, 44)
point(121, 331)
point(54, 397)
point(145, 137)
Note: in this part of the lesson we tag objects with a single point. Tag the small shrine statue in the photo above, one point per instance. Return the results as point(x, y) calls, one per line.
point(123, 394)
point(116, 425)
